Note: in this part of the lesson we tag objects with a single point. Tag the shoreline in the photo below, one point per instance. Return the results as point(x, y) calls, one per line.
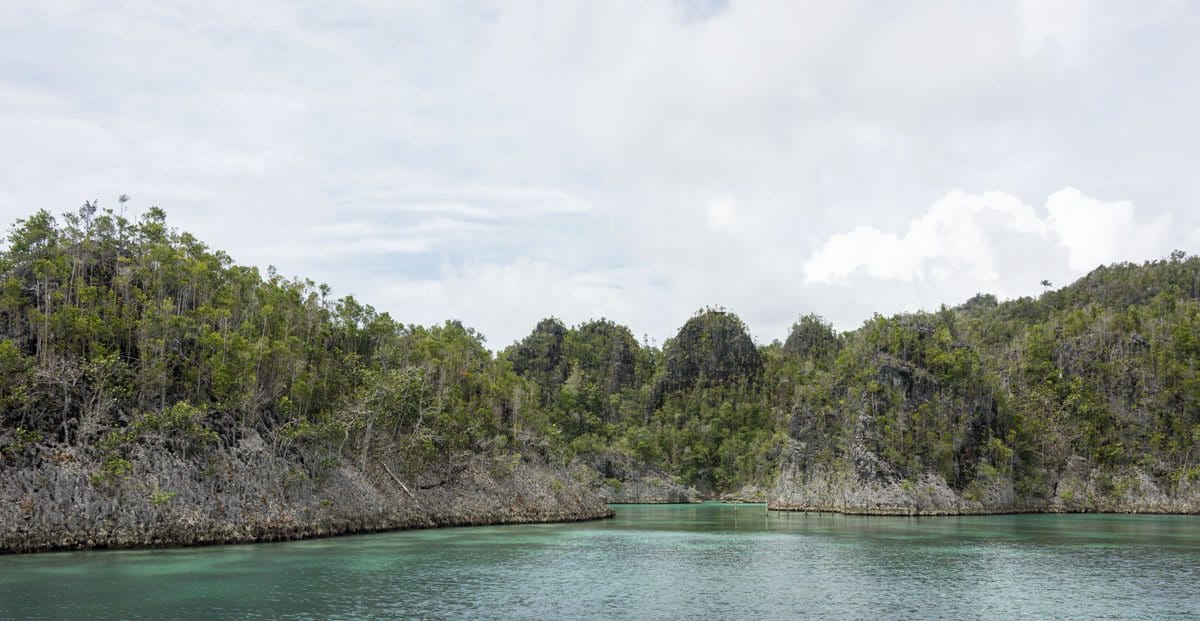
point(306, 535)
point(247, 494)
point(906, 512)
point(567, 517)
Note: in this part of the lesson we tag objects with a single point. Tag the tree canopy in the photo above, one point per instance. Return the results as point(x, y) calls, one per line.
point(115, 332)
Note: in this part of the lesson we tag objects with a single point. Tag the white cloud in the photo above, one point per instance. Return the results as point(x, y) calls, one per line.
point(1059, 26)
point(967, 241)
point(957, 235)
point(722, 215)
point(505, 299)
point(498, 162)
point(1096, 232)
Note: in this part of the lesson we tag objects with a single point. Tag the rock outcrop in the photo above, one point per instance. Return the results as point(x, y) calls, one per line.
point(248, 493)
point(748, 493)
point(846, 468)
point(621, 479)
point(1078, 490)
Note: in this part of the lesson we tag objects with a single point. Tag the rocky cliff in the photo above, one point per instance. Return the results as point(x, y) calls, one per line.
point(928, 425)
point(247, 493)
point(621, 479)
point(1080, 488)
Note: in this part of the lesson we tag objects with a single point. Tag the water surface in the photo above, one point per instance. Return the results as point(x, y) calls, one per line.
point(669, 561)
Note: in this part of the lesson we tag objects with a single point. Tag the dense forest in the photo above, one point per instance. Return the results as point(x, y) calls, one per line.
point(116, 335)
point(154, 392)
point(1101, 375)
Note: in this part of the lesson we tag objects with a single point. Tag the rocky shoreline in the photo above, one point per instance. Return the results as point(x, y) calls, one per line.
point(248, 494)
point(619, 479)
point(1078, 490)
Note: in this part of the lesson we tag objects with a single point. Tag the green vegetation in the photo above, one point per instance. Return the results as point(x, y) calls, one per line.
point(1103, 374)
point(695, 408)
point(115, 334)
point(161, 498)
point(118, 334)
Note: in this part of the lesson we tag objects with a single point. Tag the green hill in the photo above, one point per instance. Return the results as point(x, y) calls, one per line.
point(153, 392)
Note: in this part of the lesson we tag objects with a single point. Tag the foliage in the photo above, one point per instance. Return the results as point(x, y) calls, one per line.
point(1106, 370)
point(161, 498)
point(117, 334)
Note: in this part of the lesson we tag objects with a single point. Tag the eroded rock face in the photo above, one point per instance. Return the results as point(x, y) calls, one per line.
point(850, 490)
point(748, 493)
point(844, 491)
point(247, 494)
point(860, 480)
point(1082, 488)
point(621, 479)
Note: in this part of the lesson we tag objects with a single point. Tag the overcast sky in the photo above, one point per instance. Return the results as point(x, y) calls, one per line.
point(499, 163)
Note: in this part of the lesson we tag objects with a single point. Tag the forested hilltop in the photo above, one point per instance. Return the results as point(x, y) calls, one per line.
point(154, 392)
point(1084, 399)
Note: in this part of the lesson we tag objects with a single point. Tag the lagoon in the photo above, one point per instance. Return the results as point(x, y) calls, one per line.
point(650, 561)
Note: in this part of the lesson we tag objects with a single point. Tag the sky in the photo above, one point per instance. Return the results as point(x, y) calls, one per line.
point(498, 163)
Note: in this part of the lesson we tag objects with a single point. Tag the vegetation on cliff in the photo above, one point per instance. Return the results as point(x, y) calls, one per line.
point(119, 335)
point(1101, 377)
point(697, 408)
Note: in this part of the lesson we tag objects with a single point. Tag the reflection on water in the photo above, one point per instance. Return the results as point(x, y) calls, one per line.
point(667, 561)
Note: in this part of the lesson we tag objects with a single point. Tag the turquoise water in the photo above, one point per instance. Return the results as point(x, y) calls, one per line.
point(673, 561)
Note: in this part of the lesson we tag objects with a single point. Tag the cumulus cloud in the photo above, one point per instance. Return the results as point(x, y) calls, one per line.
point(1097, 232)
point(956, 234)
point(977, 238)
